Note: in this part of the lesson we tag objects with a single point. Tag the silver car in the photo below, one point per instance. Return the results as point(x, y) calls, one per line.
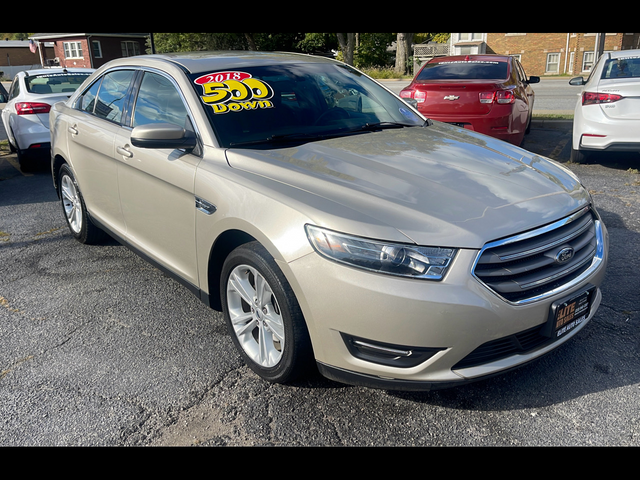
point(334, 226)
point(26, 114)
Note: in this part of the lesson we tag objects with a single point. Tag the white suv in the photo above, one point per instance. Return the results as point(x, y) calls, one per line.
point(607, 114)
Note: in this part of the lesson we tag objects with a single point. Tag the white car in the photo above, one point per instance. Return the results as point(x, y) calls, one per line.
point(607, 114)
point(26, 114)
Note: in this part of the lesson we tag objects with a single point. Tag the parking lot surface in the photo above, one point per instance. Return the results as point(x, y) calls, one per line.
point(97, 347)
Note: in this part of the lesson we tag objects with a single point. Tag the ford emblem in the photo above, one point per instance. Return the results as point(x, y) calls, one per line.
point(564, 255)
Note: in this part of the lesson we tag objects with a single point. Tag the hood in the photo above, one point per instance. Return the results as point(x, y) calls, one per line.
point(437, 185)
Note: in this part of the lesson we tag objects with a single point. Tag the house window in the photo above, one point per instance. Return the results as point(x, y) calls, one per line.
point(587, 61)
point(469, 37)
point(129, 49)
point(72, 50)
point(572, 59)
point(553, 61)
point(96, 49)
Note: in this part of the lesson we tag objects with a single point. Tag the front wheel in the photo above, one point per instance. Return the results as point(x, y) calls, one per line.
point(75, 211)
point(263, 315)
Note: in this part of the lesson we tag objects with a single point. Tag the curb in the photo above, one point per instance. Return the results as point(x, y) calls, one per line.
point(555, 124)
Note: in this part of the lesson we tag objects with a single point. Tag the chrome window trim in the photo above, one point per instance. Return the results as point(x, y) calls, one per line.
point(595, 262)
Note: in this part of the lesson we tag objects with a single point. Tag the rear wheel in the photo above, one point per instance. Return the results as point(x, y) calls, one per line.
point(263, 315)
point(26, 164)
point(75, 211)
point(579, 156)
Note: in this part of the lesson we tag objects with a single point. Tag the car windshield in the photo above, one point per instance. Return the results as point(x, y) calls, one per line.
point(464, 70)
point(296, 102)
point(623, 67)
point(54, 82)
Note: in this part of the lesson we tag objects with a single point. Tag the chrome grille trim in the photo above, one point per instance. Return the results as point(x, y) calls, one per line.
point(587, 231)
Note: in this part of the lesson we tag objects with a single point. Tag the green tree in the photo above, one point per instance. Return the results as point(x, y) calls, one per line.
point(371, 50)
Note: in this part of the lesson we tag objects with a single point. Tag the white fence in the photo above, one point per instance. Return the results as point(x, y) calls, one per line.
point(423, 52)
point(9, 71)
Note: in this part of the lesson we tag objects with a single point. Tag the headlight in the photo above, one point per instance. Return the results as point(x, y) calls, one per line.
point(428, 263)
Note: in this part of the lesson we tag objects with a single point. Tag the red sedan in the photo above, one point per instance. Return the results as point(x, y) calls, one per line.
point(490, 94)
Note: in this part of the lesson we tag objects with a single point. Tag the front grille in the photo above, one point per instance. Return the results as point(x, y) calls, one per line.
point(504, 347)
point(544, 261)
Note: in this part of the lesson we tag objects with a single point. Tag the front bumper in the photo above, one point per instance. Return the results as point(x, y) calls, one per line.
point(453, 317)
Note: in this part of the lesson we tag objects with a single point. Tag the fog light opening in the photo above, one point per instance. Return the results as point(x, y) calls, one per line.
point(401, 356)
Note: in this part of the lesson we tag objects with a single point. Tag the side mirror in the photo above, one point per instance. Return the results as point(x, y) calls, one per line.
point(533, 79)
point(411, 101)
point(577, 81)
point(162, 135)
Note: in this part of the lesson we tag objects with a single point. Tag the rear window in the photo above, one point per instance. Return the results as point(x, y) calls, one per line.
point(465, 70)
point(55, 82)
point(622, 67)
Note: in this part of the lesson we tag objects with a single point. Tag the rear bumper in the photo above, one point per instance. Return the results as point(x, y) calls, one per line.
point(593, 130)
point(29, 131)
point(499, 125)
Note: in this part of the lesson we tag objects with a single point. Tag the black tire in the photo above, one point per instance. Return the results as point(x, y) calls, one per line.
point(26, 164)
point(75, 211)
point(579, 156)
point(254, 332)
point(528, 129)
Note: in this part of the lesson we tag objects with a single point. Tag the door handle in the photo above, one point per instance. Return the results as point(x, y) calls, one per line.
point(73, 130)
point(124, 151)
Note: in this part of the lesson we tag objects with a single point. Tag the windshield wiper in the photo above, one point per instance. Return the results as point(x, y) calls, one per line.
point(288, 137)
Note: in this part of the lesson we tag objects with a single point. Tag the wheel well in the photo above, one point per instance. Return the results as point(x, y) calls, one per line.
point(224, 245)
point(58, 161)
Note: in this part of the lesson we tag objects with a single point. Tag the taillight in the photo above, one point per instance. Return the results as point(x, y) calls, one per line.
point(501, 96)
point(30, 108)
point(505, 96)
point(487, 97)
point(591, 98)
point(418, 95)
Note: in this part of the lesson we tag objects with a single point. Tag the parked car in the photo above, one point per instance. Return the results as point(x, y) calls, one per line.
point(26, 113)
point(331, 223)
point(4, 95)
point(607, 114)
point(490, 94)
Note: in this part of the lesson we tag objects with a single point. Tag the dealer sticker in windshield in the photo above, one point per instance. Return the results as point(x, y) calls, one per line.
point(234, 92)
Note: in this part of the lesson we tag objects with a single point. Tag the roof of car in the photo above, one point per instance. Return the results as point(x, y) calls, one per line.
point(625, 53)
point(45, 71)
point(217, 60)
point(471, 58)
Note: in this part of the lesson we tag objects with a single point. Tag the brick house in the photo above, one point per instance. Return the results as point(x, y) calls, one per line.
point(544, 53)
point(91, 50)
point(15, 55)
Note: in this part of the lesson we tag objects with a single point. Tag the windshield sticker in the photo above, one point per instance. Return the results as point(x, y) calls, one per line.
point(234, 92)
point(470, 61)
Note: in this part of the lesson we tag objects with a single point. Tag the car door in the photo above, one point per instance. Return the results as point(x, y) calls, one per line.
point(14, 91)
point(92, 126)
point(522, 107)
point(157, 185)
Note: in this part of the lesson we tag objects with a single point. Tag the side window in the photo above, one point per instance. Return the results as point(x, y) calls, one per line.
point(112, 95)
point(15, 89)
point(159, 102)
point(87, 101)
